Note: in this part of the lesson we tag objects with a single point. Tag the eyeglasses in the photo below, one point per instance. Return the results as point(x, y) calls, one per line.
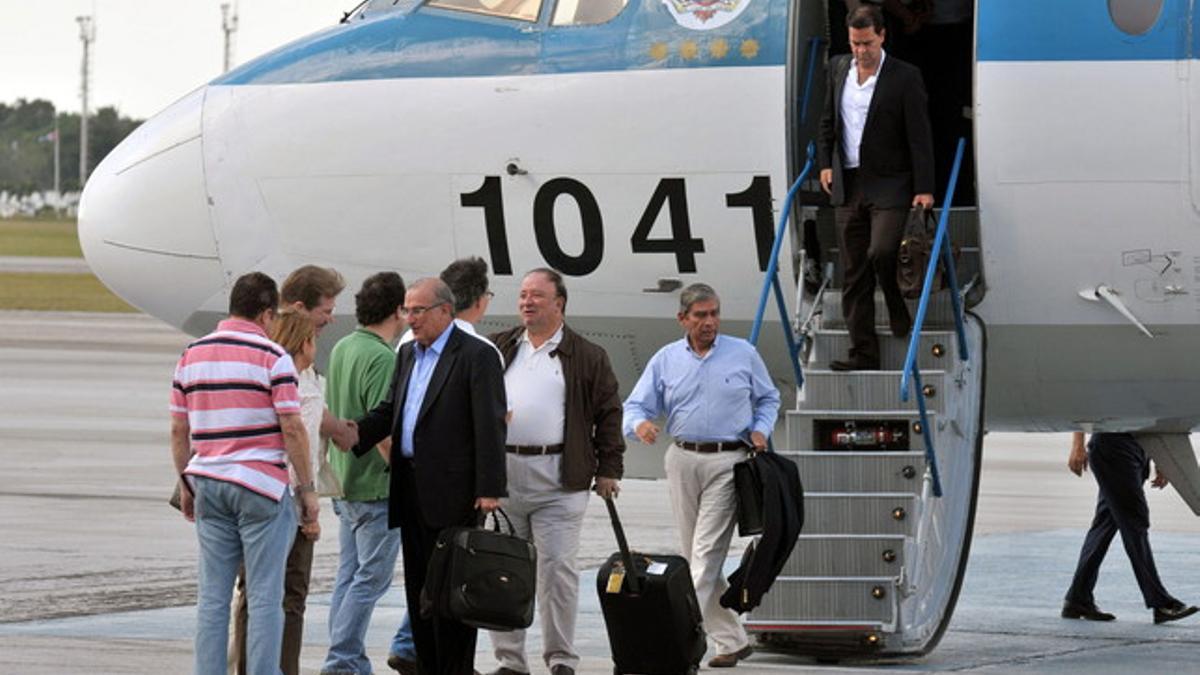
point(414, 312)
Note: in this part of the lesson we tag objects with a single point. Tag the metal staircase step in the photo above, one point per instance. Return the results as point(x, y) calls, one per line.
point(881, 513)
point(963, 227)
point(835, 344)
point(867, 390)
point(967, 266)
point(939, 315)
point(861, 472)
point(801, 424)
point(845, 556)
point(829, 601)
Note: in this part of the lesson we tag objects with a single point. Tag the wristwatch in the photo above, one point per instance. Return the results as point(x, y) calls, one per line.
point(307, 487)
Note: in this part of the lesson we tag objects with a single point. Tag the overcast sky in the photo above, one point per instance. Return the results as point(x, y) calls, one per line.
point(147, 53)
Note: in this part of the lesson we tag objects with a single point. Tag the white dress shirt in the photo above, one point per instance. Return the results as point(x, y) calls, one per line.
point(856, 102)
point(537, 393)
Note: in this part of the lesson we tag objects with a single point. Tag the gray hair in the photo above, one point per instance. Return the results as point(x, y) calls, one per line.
point(441, 290)
point(696, 293)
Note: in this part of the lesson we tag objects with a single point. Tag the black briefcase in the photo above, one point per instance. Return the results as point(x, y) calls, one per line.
point(650, 610)
point(483, 578)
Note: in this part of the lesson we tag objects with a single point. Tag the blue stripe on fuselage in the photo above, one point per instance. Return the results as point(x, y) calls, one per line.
point(1077, 30)
point(430, 42)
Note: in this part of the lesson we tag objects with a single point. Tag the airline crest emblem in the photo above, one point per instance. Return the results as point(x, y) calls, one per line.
point(705, 14)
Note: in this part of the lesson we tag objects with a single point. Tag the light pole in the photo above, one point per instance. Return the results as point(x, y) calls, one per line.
point(229, 24)
point(87, 34)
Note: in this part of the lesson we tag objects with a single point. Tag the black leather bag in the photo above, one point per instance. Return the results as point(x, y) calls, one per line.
point(748, 487)
point(483, 578)
point(912, 260)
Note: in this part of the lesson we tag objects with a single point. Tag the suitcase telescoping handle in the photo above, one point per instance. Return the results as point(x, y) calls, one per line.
point(631, 576)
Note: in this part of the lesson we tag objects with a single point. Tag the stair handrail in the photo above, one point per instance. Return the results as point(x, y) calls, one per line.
point(910, 376)
point(814, 43)
point(771, 277)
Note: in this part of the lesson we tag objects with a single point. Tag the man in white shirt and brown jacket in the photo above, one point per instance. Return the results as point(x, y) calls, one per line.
point(564, 438)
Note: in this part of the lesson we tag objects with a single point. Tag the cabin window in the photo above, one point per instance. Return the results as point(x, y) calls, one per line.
point(523, 10)
point(586, 12)
point(1135, 16)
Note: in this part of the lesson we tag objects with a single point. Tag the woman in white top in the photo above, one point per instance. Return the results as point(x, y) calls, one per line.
point(296, 333)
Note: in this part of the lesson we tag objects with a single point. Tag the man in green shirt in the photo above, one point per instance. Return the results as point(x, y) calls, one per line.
point(360, 373)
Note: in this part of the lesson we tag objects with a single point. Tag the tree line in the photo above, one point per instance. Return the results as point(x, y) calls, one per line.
point(27, 144)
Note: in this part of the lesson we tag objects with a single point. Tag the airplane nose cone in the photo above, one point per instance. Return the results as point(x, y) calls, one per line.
point(144, 221)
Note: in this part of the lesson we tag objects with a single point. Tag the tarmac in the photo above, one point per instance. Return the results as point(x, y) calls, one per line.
point(97, 572)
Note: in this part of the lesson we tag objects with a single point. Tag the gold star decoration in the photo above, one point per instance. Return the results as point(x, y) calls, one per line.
point(749, 48)
point(689, 49)
point(719, 48)
point(658, 51)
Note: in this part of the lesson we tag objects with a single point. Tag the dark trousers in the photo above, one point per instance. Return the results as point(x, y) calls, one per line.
point(868, 241)
point(295, 600)
point(444, 647)
point(1120, 467)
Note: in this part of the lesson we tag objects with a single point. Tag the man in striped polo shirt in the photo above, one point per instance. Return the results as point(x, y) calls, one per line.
point(235, 426)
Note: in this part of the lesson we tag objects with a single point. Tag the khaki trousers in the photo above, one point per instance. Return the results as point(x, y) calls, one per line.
point(705, 508)
point(552, 519)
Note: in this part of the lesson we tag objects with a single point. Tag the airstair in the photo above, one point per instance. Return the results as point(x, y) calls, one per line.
point(890, 462)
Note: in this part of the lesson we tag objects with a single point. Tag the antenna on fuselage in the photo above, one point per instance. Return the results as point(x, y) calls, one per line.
point(229, 25)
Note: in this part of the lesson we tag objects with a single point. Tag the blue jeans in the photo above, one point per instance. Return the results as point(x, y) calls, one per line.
point(367, 562)
point(234, 525)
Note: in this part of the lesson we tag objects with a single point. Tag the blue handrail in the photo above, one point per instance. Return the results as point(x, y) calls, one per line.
point(771, 278)
point(813, 44)
point(940, 253)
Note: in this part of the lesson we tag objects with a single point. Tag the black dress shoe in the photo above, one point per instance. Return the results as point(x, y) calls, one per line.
point(841, 366)
point(1174, 612)
point(1075, 610)
point(402, 665)
point(901, 329)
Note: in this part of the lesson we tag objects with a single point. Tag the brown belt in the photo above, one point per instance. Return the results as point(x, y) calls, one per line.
point(535, 449)
point(711, 447)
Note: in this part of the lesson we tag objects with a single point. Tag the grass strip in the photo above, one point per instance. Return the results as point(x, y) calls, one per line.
point(31, 237)
point(58, 293)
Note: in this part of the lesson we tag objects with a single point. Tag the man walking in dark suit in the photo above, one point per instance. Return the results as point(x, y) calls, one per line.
point(1120, 466)
point(445, 413)
point(876, 159)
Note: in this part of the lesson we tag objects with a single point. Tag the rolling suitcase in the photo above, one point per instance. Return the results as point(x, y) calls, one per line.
point(650, 610)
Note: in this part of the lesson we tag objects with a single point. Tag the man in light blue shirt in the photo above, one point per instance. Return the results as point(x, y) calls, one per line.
point(424, 361)
point(720, 404)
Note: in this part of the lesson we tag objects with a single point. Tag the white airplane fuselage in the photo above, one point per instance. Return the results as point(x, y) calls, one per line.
point(642, 154)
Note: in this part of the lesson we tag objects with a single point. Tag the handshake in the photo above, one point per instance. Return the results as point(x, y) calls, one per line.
point(344, 434)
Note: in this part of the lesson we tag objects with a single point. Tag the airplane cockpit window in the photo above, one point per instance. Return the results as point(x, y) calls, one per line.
point(586, 12)
point(368, 8)
point(524, 10)
point(1135, 17)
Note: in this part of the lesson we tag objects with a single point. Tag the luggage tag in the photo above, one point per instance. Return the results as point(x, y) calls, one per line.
point(615, 579)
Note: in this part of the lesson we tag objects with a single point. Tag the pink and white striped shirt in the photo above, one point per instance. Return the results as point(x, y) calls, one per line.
point(232, 385)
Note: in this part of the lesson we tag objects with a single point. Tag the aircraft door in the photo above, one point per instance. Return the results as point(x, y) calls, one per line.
point(807, 46)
